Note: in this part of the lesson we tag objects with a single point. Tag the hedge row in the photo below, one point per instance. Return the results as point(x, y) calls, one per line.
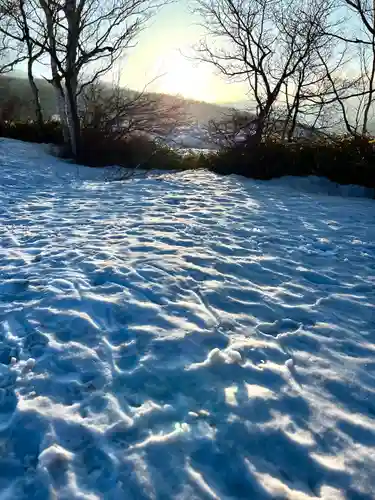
point(345, 161)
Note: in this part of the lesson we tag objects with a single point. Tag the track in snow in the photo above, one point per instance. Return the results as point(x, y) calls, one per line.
point(182, 336)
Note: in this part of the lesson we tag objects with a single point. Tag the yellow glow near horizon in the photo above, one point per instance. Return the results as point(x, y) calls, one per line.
point(179, 78)
point(159, 58)
point(179, 75)
point(173, 73)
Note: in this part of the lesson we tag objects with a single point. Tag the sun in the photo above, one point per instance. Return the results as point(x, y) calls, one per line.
point(180, 76)
point(166, 70)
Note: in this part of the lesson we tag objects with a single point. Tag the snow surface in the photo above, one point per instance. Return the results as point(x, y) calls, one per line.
point(320, 185)
point(182, 337)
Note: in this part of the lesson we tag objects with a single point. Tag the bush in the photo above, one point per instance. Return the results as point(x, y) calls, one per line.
point(136, 151)
point(345, 161)
point(50, 133)
point(100, 149)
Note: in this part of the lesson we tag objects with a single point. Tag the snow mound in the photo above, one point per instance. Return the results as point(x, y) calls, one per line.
point(217, 357)
point(321, 185)
point(182, 336)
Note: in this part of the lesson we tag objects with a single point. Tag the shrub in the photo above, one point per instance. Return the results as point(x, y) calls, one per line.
point(345, 161)
point(137, 151)
point(50, 133)
point(100, 149)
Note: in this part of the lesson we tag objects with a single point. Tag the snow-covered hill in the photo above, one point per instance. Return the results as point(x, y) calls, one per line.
point(182, 337)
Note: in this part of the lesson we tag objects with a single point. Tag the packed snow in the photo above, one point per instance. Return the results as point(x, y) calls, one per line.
point(182, 336)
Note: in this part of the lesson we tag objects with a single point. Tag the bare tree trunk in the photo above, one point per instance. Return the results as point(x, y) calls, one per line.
point(295, 109)
point(72, 14)
point(56, 78)
point(72, 115)
point(296, 105)
point(35, 92)
point(30, 61)
point(263, 117)
point(288, 116)
point(255, 138)
point(370, 99)
point(61, 105)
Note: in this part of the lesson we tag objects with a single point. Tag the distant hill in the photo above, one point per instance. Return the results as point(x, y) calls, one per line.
point(13, 88)
point(16, 88)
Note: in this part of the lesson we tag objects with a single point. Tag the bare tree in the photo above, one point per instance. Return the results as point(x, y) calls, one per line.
point(314, 81)
point(364, 12)
point(232, 128)
point(11, 48)
point(15, 16)
point(351, 87)
point(83, 40)
point(120, 113)
point(338, 91)
point(7, 62)
point(262, 42)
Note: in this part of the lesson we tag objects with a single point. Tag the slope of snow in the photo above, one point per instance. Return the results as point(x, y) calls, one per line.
point(182, 336)
point(320, 185)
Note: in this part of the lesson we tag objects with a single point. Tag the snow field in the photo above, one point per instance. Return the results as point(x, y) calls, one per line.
point(182, 336)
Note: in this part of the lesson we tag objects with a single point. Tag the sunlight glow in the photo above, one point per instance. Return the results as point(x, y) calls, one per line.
point(158, 62)
point(181, 76)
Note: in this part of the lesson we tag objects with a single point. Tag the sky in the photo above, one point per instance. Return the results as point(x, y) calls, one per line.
point(164, 52)
point(162, 61)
